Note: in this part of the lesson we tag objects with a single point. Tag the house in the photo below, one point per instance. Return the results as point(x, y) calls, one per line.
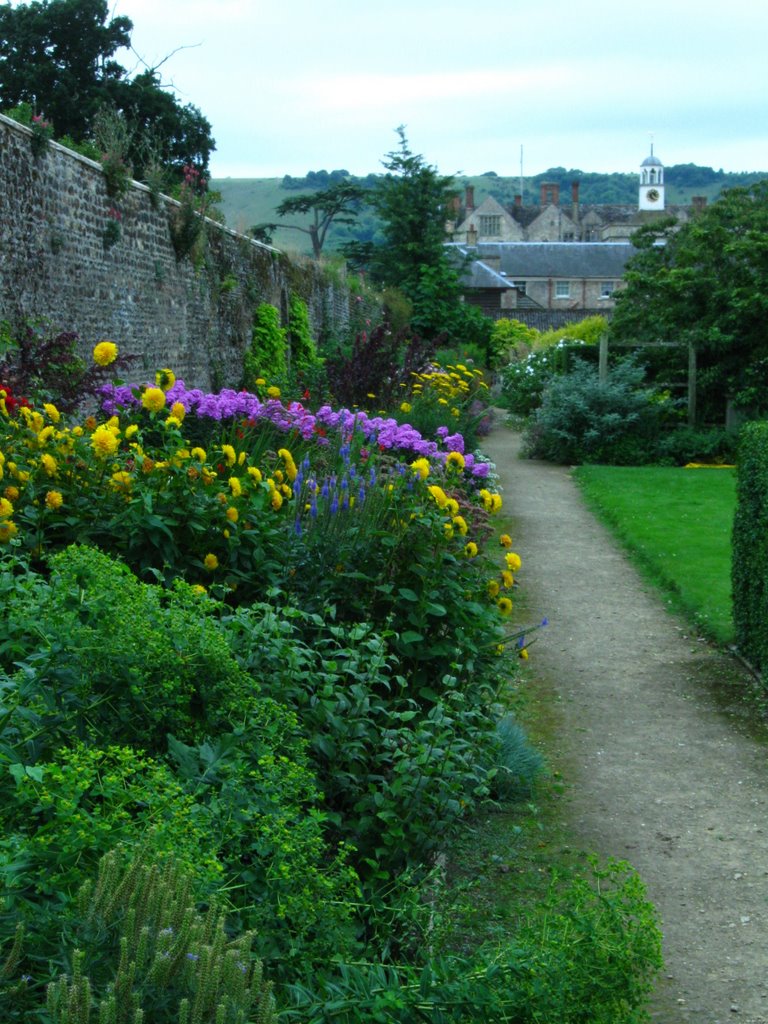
point(543, 284)
point(555, 221)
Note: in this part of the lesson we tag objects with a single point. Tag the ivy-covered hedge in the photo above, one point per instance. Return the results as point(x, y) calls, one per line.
point(750, 546)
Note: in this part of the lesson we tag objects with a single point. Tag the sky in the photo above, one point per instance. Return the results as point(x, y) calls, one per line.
point(297, 85)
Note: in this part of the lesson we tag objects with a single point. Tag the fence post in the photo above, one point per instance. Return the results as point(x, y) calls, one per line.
point(603, 360)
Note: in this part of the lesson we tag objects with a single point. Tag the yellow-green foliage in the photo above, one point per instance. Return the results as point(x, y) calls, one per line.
point(588, 330)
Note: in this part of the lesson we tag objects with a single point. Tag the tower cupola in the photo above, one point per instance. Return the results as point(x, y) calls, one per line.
point(651, 195)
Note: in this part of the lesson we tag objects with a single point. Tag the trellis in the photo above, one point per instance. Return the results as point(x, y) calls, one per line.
point(603, 365)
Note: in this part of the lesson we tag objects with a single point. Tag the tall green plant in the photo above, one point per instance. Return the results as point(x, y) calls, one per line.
point(266, 357)
point(750, 546)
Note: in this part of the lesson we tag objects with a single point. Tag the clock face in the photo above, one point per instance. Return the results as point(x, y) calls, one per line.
point(652, 195)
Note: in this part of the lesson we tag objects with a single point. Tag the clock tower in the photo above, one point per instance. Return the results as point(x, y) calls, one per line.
point(651, 183)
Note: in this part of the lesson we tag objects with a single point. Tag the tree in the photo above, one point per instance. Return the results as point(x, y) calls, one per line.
point(706, 285)
point(58, 56)
point(409, 253)
point(337, 204)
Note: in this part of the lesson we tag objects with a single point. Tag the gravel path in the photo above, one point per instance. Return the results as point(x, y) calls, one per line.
point(659, 772)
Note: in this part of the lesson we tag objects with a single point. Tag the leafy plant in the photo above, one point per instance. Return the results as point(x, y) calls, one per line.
point(265, 358)
point(583, 419)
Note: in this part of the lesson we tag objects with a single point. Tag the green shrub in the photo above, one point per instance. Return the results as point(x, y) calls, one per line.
point(750, 546)
point(141, 949)
point(266, 356)
point(396, 774)
point(582, 419)
point(687, 444)
point(112, 660)
point(516, 763)
point(588, 955)
point(523, 381)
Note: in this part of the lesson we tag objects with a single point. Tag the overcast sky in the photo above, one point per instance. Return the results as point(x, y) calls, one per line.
point(297, 85)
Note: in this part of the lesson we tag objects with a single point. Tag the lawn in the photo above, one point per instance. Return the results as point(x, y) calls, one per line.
point(676, 524)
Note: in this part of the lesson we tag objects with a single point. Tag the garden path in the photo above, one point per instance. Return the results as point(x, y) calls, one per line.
point(660, 771)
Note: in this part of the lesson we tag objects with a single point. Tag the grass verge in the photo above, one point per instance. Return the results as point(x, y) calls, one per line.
point(676, 525)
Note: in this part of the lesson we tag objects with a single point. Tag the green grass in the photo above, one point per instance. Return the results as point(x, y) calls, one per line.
point(676, 525)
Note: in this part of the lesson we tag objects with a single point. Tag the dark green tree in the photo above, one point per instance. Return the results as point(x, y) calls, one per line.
point(408, 253)
point(58, 56)
point(337, 204)
point(706, 285)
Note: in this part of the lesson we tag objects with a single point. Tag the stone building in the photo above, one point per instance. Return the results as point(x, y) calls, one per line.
point(543, 284)
point(556, 220)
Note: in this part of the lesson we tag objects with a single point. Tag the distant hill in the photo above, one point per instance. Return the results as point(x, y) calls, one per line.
point(249, 201)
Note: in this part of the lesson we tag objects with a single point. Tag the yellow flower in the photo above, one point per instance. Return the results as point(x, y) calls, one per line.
point(277, 500)
point(172, 422)
point(504, 605)
point(199, 454)
point(470, 549)
point(153, 399)
point(260, 382)
point(439, 495)
point(121, 481)
point(486, 498)
point(507, 578)
point(54, 500)
point(513, 561)
point(232, 514)
point(290, 465)
point(523, 653)
point(255, 474)
point(461, 525)
point(452, 507)
point(207, 476)
point(421, 468)
point(11, 493)
point(8, 530)
point(6, 508)
point(105, 353)
point(448, 530)
point(49, 464)
point(52, 412)
point(496, 503)
point(455, 460)
point(178, 411)
point(493, 588)
point(229, 454)
point(235, 486)
point(165, 379)
point(131, 431)
point(198, 588)
point(405, 407)
point(505, 540)
point(211, 562)
point(103, 442)
point(273, 392)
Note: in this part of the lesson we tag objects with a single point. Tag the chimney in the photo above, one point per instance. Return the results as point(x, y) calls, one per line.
point(698, 203)
point(469, 201)
point(550, 193)
point(472, 235)
point(518, 201)
point(575, 200)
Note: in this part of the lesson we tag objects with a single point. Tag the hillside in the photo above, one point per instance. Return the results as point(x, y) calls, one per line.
point(249, 201)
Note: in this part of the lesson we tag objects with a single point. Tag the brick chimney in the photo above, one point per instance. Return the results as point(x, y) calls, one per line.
point(575, 201)
point(550, 193)
point(518, 201)
point(469, 200)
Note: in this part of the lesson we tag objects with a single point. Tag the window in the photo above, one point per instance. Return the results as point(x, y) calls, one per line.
point(521, 286)
point(606, 289)
point(490, 225)
point(562, 289)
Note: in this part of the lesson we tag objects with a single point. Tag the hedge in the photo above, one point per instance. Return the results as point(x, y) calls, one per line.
point(750, 546)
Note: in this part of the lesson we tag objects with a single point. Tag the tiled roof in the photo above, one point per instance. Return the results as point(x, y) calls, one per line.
point(566, 260)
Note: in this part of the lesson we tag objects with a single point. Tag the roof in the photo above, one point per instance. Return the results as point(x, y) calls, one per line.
point(519, 261)
point(651, 161)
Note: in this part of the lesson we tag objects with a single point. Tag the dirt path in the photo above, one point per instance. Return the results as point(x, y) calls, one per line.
point(660, 774)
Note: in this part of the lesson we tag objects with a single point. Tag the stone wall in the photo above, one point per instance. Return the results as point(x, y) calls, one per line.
point(55, 217)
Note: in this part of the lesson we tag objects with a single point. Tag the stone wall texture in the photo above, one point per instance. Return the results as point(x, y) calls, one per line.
point(193, 317)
